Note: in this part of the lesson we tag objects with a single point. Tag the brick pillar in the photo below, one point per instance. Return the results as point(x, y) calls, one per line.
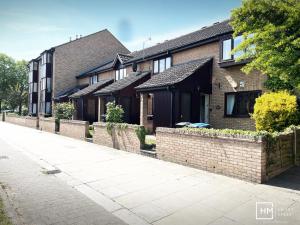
point(100, 108)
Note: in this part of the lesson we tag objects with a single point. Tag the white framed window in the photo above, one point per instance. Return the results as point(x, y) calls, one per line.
point(120, 74)
point(48, 84)
point(48, 107)
point(228, 45)
point(226, 49)
point(161, 65)
point(34, 108)
point(93, 79)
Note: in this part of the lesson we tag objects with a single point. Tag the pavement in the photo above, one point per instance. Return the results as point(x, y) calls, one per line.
point(129, 188)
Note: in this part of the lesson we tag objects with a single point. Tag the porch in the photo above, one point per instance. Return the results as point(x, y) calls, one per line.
point(123, 93)
point(85, 103)
point(179, 94)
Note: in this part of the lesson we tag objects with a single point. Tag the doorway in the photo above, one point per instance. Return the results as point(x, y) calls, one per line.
point(204, 108)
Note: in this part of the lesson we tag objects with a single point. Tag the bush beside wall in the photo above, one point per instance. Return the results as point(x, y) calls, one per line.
point(74, 128)
point(47, 124)
point(122, 136)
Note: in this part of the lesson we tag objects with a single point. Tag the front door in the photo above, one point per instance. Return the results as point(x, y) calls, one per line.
point(186, 103)
point(204, 108)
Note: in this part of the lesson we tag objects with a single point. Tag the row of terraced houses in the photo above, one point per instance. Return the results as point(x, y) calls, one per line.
point(192, 78)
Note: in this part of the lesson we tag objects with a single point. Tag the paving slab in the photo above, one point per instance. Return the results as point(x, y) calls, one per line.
point(141, 190)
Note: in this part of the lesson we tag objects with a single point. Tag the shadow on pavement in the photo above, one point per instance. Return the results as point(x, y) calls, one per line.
point(289, 179)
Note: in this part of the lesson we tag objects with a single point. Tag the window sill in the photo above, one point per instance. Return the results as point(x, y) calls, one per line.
point(237, 116)
point(232, 62)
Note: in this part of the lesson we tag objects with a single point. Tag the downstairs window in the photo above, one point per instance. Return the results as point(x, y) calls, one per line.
point(240, 104)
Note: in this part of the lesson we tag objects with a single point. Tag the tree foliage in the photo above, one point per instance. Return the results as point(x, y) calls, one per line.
point(273, 27)
point(13, 82)
point(275, 111)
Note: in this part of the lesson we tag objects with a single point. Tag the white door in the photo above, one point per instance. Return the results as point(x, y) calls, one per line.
point(204, 108)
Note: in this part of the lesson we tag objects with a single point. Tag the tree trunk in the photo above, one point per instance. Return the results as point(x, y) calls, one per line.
point(0, 105)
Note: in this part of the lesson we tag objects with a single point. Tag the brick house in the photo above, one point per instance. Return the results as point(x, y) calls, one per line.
point(194, 78)
point(52, 75)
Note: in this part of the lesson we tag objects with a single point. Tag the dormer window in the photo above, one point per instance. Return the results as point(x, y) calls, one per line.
point(228, 45)
point(120, 74)
point(161, 65)
point(93, 79)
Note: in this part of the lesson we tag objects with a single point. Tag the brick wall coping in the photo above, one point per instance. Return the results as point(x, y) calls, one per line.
point(13, 115)
point(102, 124)
point(238, 137)
point(30, 118)
point(79, 122)
point(47, 119)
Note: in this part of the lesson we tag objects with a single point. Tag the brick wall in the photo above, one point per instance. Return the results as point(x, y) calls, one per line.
point(78, 56)
point(104, 75)
point(244, 157)
point(236, 157)
point(22, 120)
point(11, 118)
point(31, 122)
point(47, 124)
point(74, 128)
point(123, 139)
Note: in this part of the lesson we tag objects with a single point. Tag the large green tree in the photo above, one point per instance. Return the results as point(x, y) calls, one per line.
point(273, 27)
point(7, 71)
point(13, 82)
point(18, 89)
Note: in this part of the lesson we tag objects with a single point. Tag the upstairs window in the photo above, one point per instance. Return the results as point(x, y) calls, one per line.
point(228, 45)
point(46, 58)
point(161, 65)
point(240, 104)
point(120, 74)
point(93, 79)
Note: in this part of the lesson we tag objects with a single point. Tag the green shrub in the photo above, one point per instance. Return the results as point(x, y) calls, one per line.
point(275, 111)
point(114, 113)
point(25, 111)
point(64, 111)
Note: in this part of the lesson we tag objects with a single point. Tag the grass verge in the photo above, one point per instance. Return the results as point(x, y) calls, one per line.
point(4, 220)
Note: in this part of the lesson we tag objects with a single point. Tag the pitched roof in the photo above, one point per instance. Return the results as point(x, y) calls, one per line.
point(124, 58)
point(103, 39)
point(90, 89)
point(203, 34)
point(174, 75)
point(69, 91)
point(123, 83)
point(102, 67)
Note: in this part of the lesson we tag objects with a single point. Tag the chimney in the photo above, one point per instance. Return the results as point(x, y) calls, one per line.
point(76, 36)
point(70, 39)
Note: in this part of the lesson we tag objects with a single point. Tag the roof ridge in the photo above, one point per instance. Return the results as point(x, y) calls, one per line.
point(201, 29)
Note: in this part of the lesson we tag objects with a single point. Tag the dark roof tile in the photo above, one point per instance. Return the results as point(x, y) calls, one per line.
point(191, 38)
point(92, 88)
point(123, 83)
point(174, 75)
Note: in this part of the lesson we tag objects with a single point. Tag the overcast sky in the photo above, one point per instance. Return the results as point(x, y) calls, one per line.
point(29, 27)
